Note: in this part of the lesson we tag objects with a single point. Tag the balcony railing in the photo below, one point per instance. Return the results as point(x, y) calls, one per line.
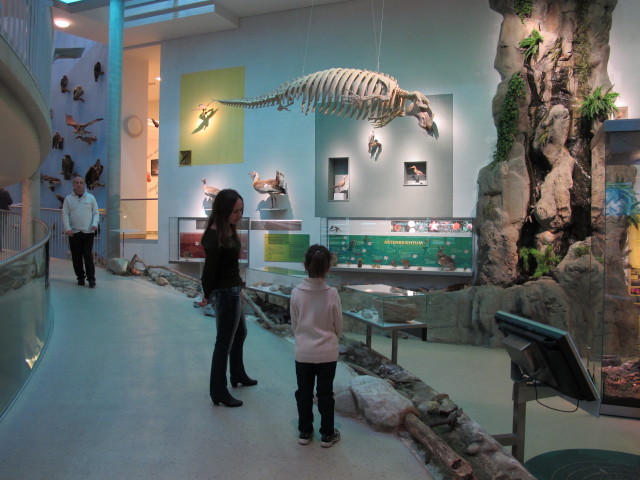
point(25, 322)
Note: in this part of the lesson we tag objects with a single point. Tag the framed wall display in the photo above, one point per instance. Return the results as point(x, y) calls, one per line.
point(420, 245)
point(415, 173)
point(185, 234)
point(338, 179)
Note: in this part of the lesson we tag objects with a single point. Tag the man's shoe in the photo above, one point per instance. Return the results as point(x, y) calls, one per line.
point(328, 440)
point(305, 438)
point(91, 284)
point(81, 283)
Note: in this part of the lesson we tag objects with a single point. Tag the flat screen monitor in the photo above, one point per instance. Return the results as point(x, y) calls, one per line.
point(547, 355)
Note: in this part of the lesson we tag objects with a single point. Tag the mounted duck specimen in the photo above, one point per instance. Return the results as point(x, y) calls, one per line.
point(208, 190)
point(348, 92)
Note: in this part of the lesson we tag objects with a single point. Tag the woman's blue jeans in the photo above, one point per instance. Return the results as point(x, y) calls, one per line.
point(232, 331)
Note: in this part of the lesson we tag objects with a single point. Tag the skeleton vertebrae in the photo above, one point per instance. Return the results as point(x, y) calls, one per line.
point(347, 92)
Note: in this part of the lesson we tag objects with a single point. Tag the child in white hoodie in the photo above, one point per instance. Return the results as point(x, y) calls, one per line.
point(316, 318)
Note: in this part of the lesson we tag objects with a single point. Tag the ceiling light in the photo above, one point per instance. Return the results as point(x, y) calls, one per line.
point(61, 22)
point(158, 78)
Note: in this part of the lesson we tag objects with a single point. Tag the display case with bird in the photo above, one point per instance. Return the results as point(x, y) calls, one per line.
point(445, 261)
point(97, 71)
point(92, 177)
point(417, 175)
point(67, 167)
point(271, 186)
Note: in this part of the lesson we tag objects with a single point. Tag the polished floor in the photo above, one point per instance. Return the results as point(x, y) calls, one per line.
point(122, 393)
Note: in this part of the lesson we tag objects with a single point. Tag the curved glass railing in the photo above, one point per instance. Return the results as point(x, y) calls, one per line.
point(25, 321)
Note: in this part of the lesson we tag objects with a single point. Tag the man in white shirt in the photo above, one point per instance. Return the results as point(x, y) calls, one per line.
point(80, 219)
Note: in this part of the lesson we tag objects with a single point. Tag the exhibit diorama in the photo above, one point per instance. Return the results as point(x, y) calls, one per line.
point(454, 165)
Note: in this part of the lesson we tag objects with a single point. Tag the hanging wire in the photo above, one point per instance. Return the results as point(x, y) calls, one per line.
point(306, 48)
point(377, 38)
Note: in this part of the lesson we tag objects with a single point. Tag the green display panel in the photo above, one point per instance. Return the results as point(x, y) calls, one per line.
point(403, 252)
point(283, 247)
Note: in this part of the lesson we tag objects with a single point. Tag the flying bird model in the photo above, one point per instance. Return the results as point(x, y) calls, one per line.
point(204, 117)
point(53, 181)
point(80, 128)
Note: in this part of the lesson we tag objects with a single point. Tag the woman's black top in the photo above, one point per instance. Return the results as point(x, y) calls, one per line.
point(221, 267)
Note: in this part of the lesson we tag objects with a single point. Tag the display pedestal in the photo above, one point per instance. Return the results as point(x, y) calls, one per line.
point(340, 196)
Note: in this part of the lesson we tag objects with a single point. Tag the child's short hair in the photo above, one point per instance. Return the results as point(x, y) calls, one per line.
point(317, 260)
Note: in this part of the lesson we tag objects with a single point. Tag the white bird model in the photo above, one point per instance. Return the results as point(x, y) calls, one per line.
point(271, 186)
point(208, 190)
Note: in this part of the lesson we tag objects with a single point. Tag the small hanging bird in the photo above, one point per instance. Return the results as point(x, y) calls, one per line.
point(155, 122)
point(64, 82)
point(67, 167)
point(78, 92)
point(208, 190)
point(87, 139)
point(97, 71)
point(93, 175)
point(375, 147)
point(57, 141)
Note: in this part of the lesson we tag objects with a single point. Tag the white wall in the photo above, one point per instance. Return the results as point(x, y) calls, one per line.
point(424, 46)
point(624, 61)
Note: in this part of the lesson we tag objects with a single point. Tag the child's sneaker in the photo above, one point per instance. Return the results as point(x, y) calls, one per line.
point(305, 437)
point(328, 440)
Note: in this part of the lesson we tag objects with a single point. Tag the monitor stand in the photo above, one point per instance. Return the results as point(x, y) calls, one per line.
point(522, 393)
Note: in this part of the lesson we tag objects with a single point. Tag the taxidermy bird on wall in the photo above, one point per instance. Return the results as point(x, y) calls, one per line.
point(60, 199)
point(269, 186)
point(208, 190)
point(57, 141)
point(97, 71)
point(64, 83)
point(53, 181)
point(80, 128)
point(67, 167)
point(348, 92)
point(78, 92)
point(92, 176)
point(87, 139)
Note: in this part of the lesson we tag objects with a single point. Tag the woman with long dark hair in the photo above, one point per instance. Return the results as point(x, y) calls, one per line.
point(222, 287)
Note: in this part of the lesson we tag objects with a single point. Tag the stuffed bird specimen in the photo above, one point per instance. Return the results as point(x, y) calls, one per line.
point(208, 190)
point(53, 181)
point(97, 71)
point(67, 167)
point(92, 176)
point(57, 141)
point(80, 128)
point(64, 82)
point(78, 92)
point(271, 186)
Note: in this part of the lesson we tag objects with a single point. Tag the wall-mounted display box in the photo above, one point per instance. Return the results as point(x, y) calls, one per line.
point(615, 248)
point(338, 179)
point(185, 234)
point(420, 245)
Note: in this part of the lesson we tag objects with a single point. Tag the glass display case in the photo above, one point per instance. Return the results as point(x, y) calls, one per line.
point(279, 281)
point(616, 247)
point(420, 245)
point(383, 304)
point(185, 234)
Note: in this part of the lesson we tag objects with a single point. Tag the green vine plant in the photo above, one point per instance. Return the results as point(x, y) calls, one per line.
point(523, 9)
point(531, 44)
point(546, 260)
point(508, 120)
point(598, 106)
